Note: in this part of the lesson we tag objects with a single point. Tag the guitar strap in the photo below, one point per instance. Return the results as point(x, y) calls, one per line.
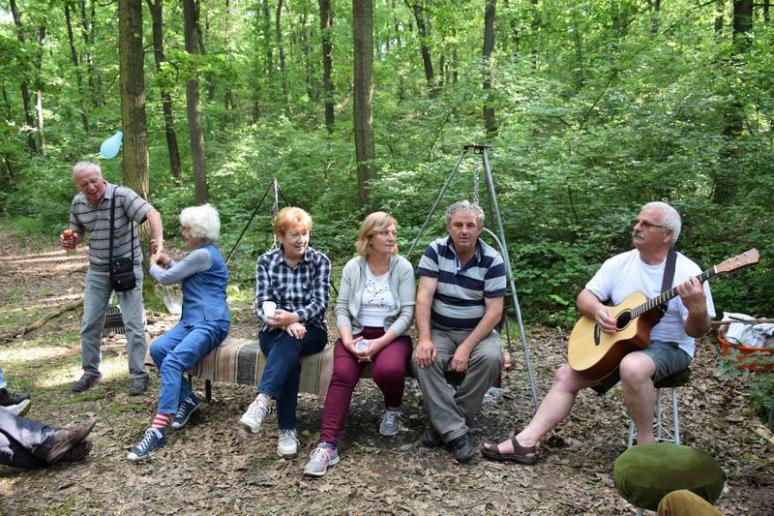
point(666, 283)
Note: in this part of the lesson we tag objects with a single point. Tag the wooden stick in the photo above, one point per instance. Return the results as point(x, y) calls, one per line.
point(40, 322)
point(743, 321)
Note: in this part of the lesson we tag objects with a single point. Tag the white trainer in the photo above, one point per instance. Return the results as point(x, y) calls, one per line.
point(390, 423)
point(322, 457)
point(257, 411)
point(287, 444)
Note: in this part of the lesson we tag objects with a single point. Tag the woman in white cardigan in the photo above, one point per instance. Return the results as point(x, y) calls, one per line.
point(374, 311)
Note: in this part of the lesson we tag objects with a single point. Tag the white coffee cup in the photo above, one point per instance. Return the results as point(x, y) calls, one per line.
point(269, 307)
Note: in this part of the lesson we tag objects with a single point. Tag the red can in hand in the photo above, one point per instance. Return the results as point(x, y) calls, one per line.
point(69, 240)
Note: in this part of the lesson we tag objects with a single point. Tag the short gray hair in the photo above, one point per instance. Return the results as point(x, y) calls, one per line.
point(203, 221)
point(465, 206)
point(670, 219)
point(86, 165)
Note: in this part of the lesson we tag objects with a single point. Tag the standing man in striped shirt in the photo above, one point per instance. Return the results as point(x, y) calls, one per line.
point(459, 304)
point(90, 212)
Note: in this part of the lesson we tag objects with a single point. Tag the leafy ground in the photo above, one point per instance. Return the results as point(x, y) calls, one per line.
point(212, 466)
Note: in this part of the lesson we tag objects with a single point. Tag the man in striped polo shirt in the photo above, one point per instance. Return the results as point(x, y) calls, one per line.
point(90, 213)
point(459, 304)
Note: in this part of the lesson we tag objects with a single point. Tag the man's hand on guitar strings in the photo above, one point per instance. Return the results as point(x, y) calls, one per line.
point(605, 320)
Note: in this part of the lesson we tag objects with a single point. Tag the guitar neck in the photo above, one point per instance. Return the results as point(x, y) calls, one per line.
point(668, 294)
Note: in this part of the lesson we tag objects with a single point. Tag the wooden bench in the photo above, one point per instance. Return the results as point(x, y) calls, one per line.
point(240, 361)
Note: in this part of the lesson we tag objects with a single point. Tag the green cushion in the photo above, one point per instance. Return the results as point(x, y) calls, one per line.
point(644, 474)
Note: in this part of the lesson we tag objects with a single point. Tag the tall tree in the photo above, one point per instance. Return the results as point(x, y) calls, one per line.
point(131, 79)
point(419, 11)
point(157, 15)
point(726, 177)
point(76, 67)
point(24, 85)
point(363, 91)
point(490, 124)
point(281, 52)
point(326, 24)
point(191, 29)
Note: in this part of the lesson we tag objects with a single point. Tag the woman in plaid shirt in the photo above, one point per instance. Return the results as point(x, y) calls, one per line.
point(297, 278)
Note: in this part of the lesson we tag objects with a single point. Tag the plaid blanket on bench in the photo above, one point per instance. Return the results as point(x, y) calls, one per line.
point(240, 361)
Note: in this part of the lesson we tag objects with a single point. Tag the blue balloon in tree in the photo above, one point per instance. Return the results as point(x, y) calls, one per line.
point(110, 147)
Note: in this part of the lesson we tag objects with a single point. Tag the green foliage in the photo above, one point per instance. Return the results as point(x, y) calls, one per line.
point(598, 111)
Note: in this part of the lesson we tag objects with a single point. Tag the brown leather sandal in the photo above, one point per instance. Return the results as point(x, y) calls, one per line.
point(521, 454)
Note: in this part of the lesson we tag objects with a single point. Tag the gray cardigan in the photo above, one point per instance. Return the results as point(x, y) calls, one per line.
point(401, 280)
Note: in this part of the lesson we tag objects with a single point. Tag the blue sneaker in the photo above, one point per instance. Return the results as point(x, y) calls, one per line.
point(187, 407)
point(153, 439)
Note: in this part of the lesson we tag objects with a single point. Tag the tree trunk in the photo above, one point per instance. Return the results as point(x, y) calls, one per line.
point(132, 87)
point(727, 176)
point(326, 24)
point(267, 44)
point(39, 89)
point(654, 21)
point(193, 107)
point(24, 86)
point(490, 124)
point(427, 62)
point(88, 33)
point(363, 90)
point(535, 26)
point(157, 15)
point(281, 52)
point(719, 7)
point(76, 67)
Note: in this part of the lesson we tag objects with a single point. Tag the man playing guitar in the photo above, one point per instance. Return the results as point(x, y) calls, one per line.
point(672, 339)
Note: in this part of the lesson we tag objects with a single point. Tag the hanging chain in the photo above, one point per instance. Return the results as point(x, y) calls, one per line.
point(476, 178)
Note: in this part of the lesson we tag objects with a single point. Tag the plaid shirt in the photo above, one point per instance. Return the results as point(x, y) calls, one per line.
point(303, 290)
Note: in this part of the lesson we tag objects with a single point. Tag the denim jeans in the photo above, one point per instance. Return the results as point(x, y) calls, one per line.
point(282, 374)
point(95, 300)
point(178, 350)
point(2, 379)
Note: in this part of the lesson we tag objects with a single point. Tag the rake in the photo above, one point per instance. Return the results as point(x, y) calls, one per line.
point(114, 323)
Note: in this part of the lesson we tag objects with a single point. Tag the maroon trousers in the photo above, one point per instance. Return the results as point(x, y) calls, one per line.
point(389, 371)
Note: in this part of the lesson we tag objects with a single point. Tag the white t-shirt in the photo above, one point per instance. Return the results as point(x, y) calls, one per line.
point(626, 273)
point(377, 301)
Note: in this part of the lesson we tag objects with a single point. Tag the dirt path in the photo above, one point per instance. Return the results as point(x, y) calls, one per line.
point(212, 466)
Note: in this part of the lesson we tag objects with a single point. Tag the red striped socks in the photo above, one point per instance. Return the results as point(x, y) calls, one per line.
point(161, 421)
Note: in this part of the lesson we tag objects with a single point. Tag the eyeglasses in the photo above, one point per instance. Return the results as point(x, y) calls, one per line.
point(648, 225)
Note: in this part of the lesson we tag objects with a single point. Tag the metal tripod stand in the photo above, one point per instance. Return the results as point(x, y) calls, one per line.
point(481, 150)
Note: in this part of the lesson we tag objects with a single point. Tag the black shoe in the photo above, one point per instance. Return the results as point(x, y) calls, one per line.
point(463, 448)
point(85, 383)
point(431, 438)
point(66, 439)
point(139, 385)
point(8, 398)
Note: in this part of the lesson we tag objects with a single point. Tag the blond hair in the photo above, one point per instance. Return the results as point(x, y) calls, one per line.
point(374, 223)
point(291, 217)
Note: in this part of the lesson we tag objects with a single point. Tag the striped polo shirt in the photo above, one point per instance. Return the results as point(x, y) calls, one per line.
point(458, 302)
point(86, 218)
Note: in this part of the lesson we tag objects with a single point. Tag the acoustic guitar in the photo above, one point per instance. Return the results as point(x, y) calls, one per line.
point(596, 354)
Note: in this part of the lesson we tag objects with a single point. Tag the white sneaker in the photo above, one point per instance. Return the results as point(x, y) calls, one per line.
point(254, 416)
point(390, 423)
point(287, 445)
point(321, 458)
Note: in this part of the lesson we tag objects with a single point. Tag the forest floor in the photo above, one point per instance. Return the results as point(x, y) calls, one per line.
point(212, 466)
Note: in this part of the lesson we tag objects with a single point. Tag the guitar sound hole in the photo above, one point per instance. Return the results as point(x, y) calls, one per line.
point(623, 320)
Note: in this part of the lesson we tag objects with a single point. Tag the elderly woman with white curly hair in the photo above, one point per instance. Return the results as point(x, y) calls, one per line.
point(203, 325)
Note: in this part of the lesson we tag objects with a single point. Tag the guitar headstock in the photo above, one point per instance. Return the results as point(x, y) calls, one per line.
point(746, 259)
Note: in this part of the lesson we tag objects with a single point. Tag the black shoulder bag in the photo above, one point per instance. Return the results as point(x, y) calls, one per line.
point(121, 269)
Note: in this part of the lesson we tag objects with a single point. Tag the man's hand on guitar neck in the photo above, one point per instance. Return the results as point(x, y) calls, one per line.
point(692, 295)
